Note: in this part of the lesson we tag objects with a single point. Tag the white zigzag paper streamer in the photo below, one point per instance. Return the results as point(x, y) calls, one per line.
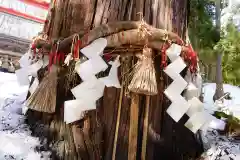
point(193, 107)
point(199, 118)
point(179, 105)
point(92, 88)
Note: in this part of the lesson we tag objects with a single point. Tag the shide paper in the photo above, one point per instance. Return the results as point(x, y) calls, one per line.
point(92, 88)
point(22, 76)
point(112, 79)
point(90, 67)
point(179, 105)
point(195, 106)
point(196, 121)
point(28, 69)
point(33, 69)
point(189, 104)
point(74, 109)
point(95, 48)
point(174, 52)
point(191, 91)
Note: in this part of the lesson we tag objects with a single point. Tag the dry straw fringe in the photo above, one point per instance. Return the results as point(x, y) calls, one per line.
point(44, 98)
point(144, 75)
point(71, 75)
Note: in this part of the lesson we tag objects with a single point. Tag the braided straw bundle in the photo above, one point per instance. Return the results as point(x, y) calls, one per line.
point(144, 78)
point(44, 98)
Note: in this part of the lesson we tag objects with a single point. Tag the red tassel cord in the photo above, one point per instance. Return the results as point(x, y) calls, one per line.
point(34, 49)
point(107, 57)
point(164, 55)
point(51, 60)
point(180, 42)
point(60, 58)
point(52, 57)
point(191, 57)
point(76, 49)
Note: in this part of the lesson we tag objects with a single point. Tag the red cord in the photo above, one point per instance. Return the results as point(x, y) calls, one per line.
point(51, 56)
point(191, 57)
point(164, 55)
point(60, 57)
point(107, 56)
point(34, 49)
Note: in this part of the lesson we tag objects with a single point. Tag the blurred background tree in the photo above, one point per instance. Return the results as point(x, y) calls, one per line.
point(229, 45)
point(204, 38)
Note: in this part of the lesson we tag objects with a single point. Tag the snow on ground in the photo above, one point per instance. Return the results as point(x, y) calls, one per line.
point(16, 142)
point(219, 147)
point(233, 104)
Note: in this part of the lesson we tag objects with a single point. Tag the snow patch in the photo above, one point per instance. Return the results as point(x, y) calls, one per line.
point(16, 142)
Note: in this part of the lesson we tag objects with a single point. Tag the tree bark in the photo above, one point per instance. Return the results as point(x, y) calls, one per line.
point(219, 78)
point(94, 136)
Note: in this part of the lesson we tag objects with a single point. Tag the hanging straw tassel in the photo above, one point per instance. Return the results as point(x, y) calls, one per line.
point(144, 78)
point(44, 98)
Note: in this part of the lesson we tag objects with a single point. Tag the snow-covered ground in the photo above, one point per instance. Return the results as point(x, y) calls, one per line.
point(16, 142)
point(233, 105)
point(218, 147)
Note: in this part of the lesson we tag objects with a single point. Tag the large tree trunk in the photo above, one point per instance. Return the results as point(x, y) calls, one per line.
point(95, 141)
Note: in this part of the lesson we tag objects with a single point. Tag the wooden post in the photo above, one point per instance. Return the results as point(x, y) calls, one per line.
point(117, 124)
point(133, 128)
point(145, 128)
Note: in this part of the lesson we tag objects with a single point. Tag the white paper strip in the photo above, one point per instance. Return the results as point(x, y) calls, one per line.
point(95, 48)
point(24, 109)
point(195, 106)
point(179, 105)
point(74, 109)
point(196, 121)
point(33, 69)
point(22, 76)
point(195, 79)
point(178, 108)
point(25, 60)
point(174, 51)
point(191, 91)
point(173, 69)
point(112, 79)
point(34, 86)
point(45, 60)
point(89, 68)
point(175, 88)
point(90, 90)
point(68, 59)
